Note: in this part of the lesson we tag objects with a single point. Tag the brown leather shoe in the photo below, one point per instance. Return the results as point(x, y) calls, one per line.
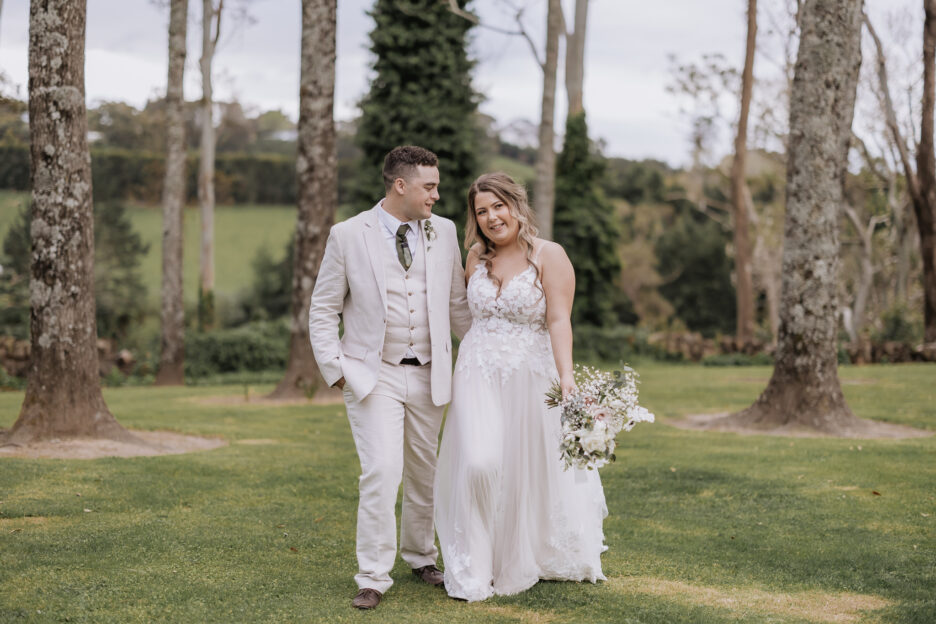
point(429, 574)
point(366, 599)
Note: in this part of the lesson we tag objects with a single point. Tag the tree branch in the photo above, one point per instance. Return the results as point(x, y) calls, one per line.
point(913, 183)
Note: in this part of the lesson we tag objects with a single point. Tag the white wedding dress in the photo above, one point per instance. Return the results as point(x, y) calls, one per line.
point(506, 512)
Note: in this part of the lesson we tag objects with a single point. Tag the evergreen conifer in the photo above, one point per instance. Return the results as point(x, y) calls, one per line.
point(585, 225)
point(421, 95)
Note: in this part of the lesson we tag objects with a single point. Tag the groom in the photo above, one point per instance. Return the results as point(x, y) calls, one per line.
point(394, 275)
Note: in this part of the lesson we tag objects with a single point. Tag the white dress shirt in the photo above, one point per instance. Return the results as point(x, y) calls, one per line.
point(390, 226)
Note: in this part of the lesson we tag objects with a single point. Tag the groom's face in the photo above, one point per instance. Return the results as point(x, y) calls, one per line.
point(420, 192)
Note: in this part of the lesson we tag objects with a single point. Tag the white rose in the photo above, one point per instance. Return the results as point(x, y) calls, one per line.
point(596, 440)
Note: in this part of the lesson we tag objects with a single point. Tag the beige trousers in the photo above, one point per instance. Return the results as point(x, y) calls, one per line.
point(396, 432)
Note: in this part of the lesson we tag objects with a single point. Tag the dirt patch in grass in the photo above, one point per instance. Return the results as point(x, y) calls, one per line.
point(868, 430)
point(814, 606)
point(151, 443)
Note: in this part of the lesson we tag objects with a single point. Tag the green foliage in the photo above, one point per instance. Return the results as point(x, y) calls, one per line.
point(636, 181)
point(900, 324)
point(421, 94)
point(585, 225)
point(617, 343)
point(119, 174)
point(14, 167)
point(262, 530)
point(14, 278)
point(253, 347)
point(738, 359)
point(270, 294)
point(120, 295)
point(697, 274)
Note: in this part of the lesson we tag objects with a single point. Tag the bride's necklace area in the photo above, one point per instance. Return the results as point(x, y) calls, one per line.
point(513, 259)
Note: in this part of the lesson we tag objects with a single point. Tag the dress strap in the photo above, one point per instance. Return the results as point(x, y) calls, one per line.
point(536, 252)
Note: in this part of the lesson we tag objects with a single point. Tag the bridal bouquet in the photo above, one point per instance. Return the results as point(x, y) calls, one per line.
point(602, 405)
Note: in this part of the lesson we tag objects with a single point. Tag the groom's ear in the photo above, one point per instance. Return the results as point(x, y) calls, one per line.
point(399, 185)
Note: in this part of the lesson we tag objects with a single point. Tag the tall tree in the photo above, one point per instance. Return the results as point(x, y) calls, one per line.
point(587, 227)
point(740, 196)
point(575, 59)
point(924, 196)
point(63, 392)
point(804, 389)
point(211, 31)
point(317, 172)
point(421, 94)
point(544, 188)
point(172, 351)
point(921, 183)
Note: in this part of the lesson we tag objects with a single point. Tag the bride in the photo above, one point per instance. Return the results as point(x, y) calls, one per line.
point(506, 512)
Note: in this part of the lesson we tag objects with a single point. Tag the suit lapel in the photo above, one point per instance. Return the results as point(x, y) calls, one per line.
point(427, 257)
point(373, 239)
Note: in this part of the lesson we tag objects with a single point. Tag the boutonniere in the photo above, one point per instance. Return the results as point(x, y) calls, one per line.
point(430, 232)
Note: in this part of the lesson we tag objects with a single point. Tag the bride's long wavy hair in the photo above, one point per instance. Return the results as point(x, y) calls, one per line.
point(515, 196)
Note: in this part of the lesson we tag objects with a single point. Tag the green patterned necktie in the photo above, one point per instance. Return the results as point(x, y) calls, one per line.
point(402, 247)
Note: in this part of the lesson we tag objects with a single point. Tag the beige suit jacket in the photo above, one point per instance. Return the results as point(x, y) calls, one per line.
point(351, 287)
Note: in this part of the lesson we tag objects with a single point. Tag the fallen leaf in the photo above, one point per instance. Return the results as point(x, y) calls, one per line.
point(672, 469)
point(875, 492)
point(87, 511)
point(280, 526)
point(925, 515)
point(294, 549)
point(320, 518)
point(16, 531)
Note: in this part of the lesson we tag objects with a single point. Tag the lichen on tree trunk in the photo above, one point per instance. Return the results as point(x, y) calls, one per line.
point(804, 389)
point(172, 352)
point(63, 392)
point(317, 173)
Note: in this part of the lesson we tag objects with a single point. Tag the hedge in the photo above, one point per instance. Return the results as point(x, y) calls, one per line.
point(138, 176)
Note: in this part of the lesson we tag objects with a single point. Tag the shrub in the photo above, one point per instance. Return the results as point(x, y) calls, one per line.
point(615, 344)
point(900, 324)
point(119, 174)
point(738, 359)
point(253, 347)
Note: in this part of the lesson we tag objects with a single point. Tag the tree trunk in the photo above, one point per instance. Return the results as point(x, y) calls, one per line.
point(317, 173)
point(924, 206)
point(63, 392)
point(206, 166)
point(804, 390)
point(172, 352)
point(544, 189)
point(866, 271)
point(744, 286)
point(575, 59)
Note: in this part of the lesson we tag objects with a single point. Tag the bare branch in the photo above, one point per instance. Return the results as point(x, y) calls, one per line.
point(522, 30)
point(457, 10)
point(913, 183)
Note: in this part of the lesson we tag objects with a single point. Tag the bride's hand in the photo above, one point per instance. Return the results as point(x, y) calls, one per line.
point(567, 384)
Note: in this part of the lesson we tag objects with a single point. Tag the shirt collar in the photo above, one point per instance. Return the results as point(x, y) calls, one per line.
point(392, 223)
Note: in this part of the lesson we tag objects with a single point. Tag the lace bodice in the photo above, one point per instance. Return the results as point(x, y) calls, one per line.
point(508, 328)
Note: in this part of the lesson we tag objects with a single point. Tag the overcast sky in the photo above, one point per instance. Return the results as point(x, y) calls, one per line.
point(627, 59)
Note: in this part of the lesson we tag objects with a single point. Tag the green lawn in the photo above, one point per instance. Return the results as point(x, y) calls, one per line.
point(703, 527)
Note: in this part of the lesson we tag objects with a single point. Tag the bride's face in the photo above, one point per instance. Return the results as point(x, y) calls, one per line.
point(494, 218)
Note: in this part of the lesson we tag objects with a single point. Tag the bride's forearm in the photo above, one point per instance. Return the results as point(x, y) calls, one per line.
point(560, 335)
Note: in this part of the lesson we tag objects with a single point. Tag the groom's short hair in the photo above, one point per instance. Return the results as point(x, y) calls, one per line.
point(401, 162)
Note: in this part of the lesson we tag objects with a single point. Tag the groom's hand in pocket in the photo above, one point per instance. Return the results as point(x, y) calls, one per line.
point(339, 384)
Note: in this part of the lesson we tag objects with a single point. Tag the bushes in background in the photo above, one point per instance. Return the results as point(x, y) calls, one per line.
point(255, 347)
point(132, 175)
